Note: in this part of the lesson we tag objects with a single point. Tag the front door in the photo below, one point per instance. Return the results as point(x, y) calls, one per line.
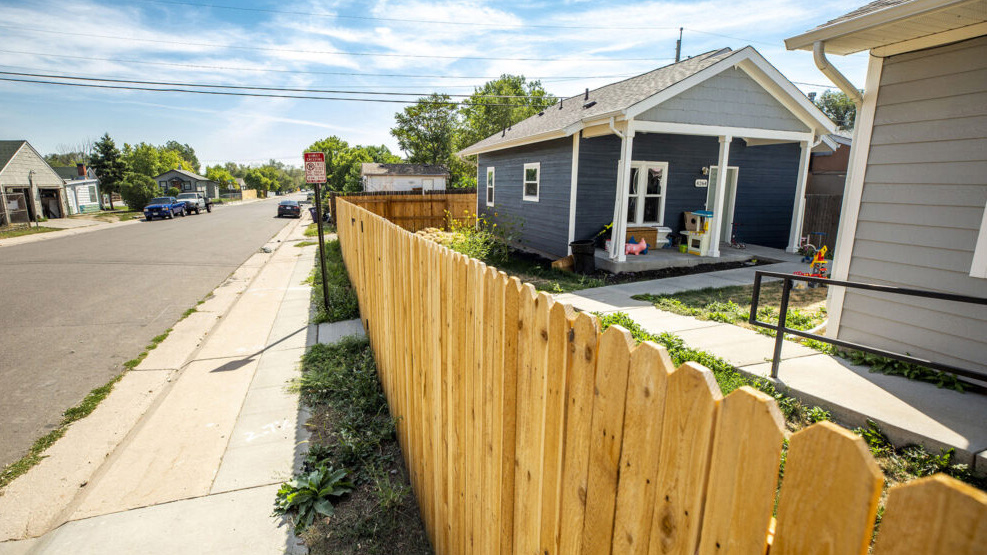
point(729, 200)
point(646, 195)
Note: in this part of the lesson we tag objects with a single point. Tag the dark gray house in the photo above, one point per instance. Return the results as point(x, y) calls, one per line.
point(642, 151)
point(186, 181)
point(914, 210)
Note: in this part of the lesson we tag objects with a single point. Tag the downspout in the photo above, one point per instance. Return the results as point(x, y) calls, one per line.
point(616, 208)
point(614, 129)
point(834, 75)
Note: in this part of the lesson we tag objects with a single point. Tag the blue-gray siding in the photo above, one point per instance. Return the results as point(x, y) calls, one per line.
point(765, 189)
point(546, 222)
point(737, 100)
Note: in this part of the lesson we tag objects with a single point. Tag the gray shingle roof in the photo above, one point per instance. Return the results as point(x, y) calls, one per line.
point(863, 10)
point(373, 168)
point(7, 151)
point(608, 98)
point(187, 173)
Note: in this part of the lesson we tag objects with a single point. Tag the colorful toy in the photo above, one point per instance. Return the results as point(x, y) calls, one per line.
point(641, 247)
point(819, 266)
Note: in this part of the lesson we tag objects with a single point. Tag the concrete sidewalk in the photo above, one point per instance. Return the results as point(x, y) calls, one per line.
point(216, 432)
point(907, 411)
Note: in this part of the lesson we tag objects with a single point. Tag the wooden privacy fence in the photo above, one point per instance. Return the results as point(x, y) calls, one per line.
point(525, 430)
point(822, 213)
point(416, 210)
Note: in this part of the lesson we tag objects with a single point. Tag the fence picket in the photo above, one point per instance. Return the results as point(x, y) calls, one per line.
point(691, 407)
point(743, 474)
point(933, 515)
point(508, 405)
point(610, 390)
point(579, 413)
point(556, 369)
point(647, 382)
point(829, 493)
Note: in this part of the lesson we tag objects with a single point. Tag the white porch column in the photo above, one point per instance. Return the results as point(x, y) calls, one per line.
point(619, 231)
point(798, 210)
point(722, 164)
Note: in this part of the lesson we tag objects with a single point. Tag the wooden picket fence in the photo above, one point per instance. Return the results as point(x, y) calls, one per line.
point(525, 430)
point(414, 211)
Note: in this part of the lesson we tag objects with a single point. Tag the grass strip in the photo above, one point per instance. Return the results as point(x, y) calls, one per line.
point(343, 304)
point(21, 231)
point(352, 429)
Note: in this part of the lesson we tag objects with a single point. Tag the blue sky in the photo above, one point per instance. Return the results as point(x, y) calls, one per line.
point(569, 45)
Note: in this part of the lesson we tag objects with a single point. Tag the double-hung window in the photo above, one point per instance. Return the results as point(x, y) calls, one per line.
point(490, 186)
point(646, 193)
point(532, 178)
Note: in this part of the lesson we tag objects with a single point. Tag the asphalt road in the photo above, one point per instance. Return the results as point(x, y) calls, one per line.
point(74, 309)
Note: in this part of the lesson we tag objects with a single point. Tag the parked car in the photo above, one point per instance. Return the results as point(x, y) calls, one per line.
point(164, 207)
point(310, 197)
point(196, 202)
point(289, 208)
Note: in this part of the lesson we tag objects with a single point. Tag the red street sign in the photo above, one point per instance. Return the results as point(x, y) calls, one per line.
point(315, 167)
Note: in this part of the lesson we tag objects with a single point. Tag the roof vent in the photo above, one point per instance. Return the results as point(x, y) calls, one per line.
point(586, 96)
point(542, 113)
point(561, 100)
point(502, 131)
point(589, 104)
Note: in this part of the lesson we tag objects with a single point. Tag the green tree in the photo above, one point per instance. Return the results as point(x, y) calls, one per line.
point(137, 190)
point(499, 104)
point(186, 152)
point(255, 179)
point(333, 147)
point(220, 175)
point(839, 108)
point(426, 129)
point(109, 166)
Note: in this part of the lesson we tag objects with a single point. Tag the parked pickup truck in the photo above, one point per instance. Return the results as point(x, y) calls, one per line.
point(164, 207)
point(195, 202)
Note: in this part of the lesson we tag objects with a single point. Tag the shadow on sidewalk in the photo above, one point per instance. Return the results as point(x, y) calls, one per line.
point(237, 364)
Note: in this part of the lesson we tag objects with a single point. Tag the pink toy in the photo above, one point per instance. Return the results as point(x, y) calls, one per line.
point(636, 248)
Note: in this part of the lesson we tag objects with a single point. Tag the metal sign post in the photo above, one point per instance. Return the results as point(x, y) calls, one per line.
point(315, 173)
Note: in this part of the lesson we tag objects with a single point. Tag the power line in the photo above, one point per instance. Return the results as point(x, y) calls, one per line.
point(340, 73)
point(232, 93)
point(335, 52)
point(403, 20)
point(244, 87)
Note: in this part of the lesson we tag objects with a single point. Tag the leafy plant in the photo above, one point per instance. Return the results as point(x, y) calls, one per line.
point(893, 367)
point(311, 494)
point(343, 303)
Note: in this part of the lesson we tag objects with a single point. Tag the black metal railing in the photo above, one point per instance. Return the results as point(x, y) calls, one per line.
point(781, 328)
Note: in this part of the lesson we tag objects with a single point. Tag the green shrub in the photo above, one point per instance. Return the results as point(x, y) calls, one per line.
point(173, 192)
point(137, 190)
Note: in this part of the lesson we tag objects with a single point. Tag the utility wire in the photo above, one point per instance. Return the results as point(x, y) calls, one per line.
point(343, 73)
point(232, 93)
point(334, 52)
point(403, 20)
point(244, 87)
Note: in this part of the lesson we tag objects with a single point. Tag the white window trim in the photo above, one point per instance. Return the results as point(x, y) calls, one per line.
point(639, 209)
point(978, 268)
point(491, 187)
point(524, 182)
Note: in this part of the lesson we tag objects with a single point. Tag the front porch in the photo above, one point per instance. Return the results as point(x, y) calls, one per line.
point(660, 259)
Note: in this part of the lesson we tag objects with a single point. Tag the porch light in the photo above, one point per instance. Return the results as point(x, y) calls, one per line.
point(705, 170)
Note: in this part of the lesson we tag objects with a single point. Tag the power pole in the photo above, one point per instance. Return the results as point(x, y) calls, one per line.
point(678, 47)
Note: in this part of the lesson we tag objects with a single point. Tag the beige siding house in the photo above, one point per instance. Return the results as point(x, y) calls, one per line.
point(27, 181)
point(914, 210)
point(403, 177)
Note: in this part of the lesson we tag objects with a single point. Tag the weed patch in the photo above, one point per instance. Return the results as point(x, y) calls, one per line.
point(343, 304)
point(353, 432)
point(20, 231)
point(306, 243)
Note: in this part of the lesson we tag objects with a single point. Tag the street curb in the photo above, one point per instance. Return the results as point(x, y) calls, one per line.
point(25, 239)
point(43, 498)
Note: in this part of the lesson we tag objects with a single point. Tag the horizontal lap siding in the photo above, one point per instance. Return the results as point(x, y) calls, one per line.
point(765, 189)
point(545, 224)
point(921, 207)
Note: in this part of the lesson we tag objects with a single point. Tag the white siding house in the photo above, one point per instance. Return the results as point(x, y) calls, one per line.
point(914, 209)
point(23, 171)
point(403, 177)
point(81, 188)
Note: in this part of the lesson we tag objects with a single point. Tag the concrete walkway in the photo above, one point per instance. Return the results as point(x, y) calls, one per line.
point(907, 411)
point(216, 432)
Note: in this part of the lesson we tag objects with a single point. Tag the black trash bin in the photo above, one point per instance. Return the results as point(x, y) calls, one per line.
point(584, 262)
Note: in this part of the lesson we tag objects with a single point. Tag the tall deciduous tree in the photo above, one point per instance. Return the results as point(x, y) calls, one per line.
point(497, 105)
point(426, 129)
point(109, 166)
point(186, 152)
point(839, 108)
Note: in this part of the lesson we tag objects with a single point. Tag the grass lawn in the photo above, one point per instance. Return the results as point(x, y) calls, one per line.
point(19, 231)
point(313, 229)
point(343, 304)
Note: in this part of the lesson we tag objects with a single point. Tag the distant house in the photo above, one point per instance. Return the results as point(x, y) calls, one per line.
point(642, 151)
point(29, 187)
point(914, 208)
point(403, 177)
point(81, 188)
point(186, 181)
point(827, 167)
